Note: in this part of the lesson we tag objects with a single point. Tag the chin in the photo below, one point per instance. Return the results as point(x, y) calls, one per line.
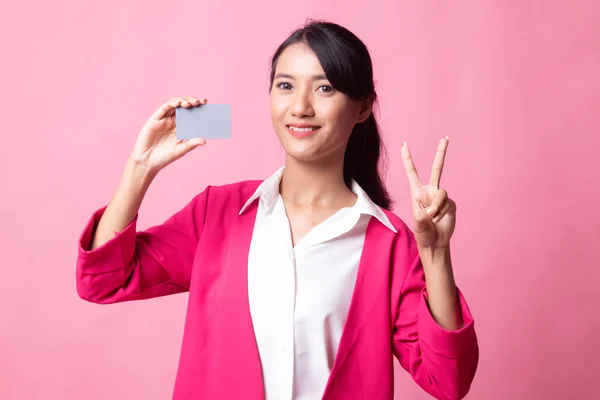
point(314, 154)
point(301, 154)
point(310, 149)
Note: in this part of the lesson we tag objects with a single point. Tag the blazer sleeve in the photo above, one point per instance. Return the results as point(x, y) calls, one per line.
point(441, 361)
point(141, 265)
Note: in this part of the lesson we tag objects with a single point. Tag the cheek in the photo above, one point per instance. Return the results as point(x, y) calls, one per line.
point(278, 114)
point(277, 106)
point(335, 108)
point(341, 116)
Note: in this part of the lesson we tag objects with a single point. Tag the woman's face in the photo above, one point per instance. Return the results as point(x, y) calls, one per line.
point(312, 120)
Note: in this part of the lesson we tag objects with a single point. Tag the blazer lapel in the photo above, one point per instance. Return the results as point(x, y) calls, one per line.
point(244, 362)
point(371, 269)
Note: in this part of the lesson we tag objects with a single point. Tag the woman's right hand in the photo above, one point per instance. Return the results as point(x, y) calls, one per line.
point(157, 145)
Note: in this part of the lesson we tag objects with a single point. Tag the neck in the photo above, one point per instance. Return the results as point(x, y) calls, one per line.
point(307, 184)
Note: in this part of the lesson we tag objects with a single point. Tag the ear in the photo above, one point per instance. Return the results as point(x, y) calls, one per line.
point(366, 108)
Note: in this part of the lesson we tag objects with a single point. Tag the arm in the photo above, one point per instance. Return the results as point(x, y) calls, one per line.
point(442, 361)
point(434, 337)
point(116, 263)
point(442, 292)
point(125, 204)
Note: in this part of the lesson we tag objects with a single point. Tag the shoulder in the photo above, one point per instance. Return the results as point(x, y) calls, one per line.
point(241, 189)
point(404, 239)
point(399, 224)
point(228, 196)
point(403, 256)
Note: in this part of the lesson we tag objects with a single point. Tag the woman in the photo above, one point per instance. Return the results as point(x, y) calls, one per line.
point(304, 285)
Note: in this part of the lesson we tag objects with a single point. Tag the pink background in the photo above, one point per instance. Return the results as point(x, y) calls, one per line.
point(514, 84)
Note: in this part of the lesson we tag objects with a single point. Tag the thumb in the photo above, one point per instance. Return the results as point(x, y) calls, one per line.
point(423, 218)
point(186, 146)
point(195, 142)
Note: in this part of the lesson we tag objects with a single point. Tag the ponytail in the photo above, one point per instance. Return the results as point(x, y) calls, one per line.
point(361, 161)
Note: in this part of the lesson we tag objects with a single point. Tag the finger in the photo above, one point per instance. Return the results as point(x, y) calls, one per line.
point(452, 208)
point(448, 209)
point(409, 167)
point(194, 101)
point(168, 108)
point(185, 102)
point(439, 199)
point(440, 214)
point(438, 163)
point(422, 220)
point(434, 209)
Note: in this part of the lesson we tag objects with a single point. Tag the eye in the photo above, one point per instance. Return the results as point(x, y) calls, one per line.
point(326, 88)
point(284, 85)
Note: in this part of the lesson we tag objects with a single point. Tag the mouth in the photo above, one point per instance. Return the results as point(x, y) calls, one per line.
point(303, 130)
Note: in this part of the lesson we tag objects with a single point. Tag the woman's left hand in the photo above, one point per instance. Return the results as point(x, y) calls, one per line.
point(434, 212)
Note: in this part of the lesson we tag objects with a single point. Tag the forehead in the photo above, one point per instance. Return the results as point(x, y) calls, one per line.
point(298, 60)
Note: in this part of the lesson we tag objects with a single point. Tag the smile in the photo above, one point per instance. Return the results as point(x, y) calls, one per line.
point(303, 129)
point(302, 132)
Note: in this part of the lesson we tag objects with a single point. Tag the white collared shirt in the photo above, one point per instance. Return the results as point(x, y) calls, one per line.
point(300, 295)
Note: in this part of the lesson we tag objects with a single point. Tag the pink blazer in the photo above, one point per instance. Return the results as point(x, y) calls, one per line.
point(203, 249)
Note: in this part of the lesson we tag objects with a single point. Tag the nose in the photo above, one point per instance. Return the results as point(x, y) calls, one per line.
point(302, 105)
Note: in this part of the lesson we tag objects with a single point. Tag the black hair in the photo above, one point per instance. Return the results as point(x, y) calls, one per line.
point(347, 65)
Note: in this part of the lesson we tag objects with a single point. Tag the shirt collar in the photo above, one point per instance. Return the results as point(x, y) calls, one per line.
point(268, 192)
point(365, 205)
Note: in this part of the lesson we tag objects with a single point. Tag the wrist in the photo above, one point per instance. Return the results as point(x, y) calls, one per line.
point(435, 255)
point(137, 176)
point(140, 170)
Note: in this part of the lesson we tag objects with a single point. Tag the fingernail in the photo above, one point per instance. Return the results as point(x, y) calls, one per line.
point(447, 138)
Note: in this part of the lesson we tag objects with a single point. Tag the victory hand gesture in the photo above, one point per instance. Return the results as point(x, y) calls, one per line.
point(434, 212)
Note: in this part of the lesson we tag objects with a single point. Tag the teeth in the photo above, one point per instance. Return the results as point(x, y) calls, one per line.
point(308, 129)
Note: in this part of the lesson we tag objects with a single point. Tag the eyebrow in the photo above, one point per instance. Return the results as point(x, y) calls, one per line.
point(288, 76)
